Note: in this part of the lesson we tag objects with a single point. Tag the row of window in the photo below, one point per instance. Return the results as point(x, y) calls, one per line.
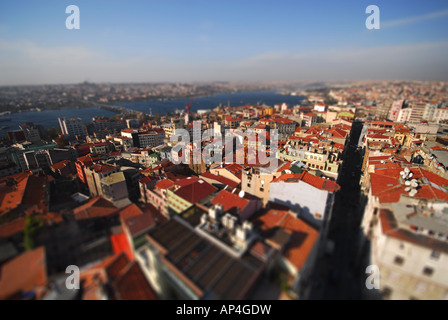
point(427, 271)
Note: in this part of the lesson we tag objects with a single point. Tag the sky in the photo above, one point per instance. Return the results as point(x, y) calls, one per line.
point(221, 40)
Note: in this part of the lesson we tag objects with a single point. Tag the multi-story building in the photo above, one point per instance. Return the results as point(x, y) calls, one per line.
point(126, 142)
point(186, 193)
point(114, 187)
point(85, 162)
point(440, 114)
point(32, 133)
point(395, 109)
point(196, 263)
point(8, 168)
point(147, 139)
point(429, 113)
point(313, 196)
point(418, 110)
point(72, 128)
point(95, 173)
point(102, 148)
point(405, 224)
point(404, 115)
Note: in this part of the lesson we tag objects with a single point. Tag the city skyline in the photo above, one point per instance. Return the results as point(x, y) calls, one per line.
point(213, 41)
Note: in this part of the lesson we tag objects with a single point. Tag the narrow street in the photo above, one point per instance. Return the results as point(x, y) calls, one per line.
point(338, 275)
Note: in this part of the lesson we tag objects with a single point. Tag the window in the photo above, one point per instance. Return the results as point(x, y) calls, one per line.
point(399, 260)
point(435, 255)
point(428, 271)
point(387, 292)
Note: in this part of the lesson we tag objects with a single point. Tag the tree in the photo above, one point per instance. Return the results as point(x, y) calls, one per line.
point(157, 117)
point(143, 118)
point(33, 226)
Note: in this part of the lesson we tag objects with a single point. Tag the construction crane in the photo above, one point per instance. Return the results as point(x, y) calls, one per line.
point(187, 107)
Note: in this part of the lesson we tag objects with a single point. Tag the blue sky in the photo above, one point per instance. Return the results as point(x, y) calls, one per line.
point(244, 40)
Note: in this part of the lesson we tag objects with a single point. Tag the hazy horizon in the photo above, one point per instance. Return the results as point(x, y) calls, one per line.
point(234, 41)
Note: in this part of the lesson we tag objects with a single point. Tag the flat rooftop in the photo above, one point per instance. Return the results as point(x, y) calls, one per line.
point(214, 271)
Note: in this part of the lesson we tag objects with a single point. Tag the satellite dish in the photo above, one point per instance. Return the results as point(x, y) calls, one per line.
point(408, 183)
point(406, 170)
point(241, 194)
point(410, 175)
point(407, 189)
point(413, 192)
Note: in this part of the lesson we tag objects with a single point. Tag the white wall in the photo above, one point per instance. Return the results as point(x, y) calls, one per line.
point(294, 194)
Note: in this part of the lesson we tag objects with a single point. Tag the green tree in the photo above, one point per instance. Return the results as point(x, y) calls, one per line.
point(33, 226)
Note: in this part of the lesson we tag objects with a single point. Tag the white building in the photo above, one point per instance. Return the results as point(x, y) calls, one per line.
point(312, 199)
point(404, 115)
point(429, 113)
point(440, 115)
point(410, 249)
point(406, 225)
point(395, 110)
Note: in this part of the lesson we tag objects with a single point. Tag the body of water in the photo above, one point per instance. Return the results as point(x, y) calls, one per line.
point(49, 118)
point(234, 99)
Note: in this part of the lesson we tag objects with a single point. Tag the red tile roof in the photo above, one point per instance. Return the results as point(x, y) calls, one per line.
point(302, 235)
point(386, 185)
point(147, 179)
point(235, 169)
point(24, 273)
point(28, 192)
point(378, 136)
point(230, 201)
point(338, 133)
point(97, 207)
point(102, 168)
point(301, 243)
point(9, 229)
point(130, 211)
point(221, 179)
point(165, 184)
point(315, 181)
point(196, 191)
point(391, 228)
point(120, 244)
point(131, 284)
point(139, 224)
point(124, 279)
point(60, 165)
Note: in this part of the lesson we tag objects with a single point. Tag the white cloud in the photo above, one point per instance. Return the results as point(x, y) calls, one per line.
point(411, 20)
